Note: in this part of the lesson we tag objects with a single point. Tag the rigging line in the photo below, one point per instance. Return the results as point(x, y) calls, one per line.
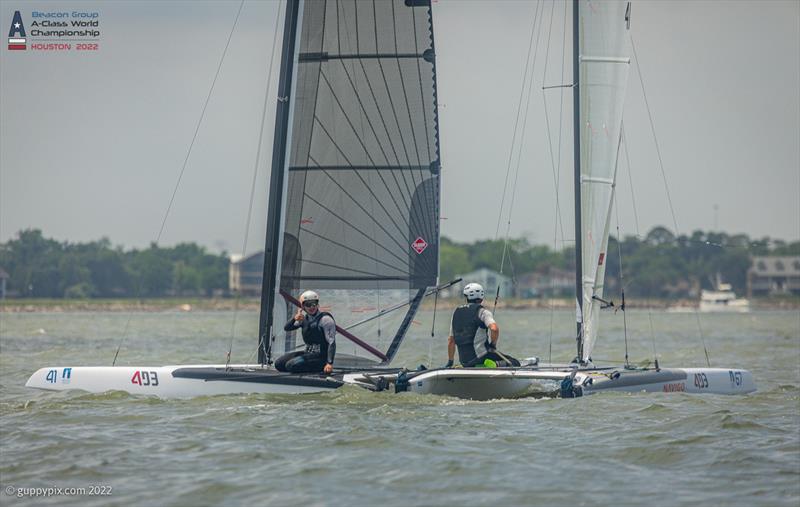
point(338, 30)
point(435, 198)
point(559, 222)
point(421, 89)
point(365, 116)
point(661, 167)
point(433, 327)
point(655, 138)
point(304, 182)
point(372, 128)
point(355, 201)
point(362, 116)
point(664, 177)
point(200, 122)
point(361, 142)
point(386, 86)
point(361, 178)
point(702, 338)
point(397, 306)
point(355, 12)
point(328, 265)
point(555, 167)
point(652, 335)
point(630, 176)
point(385, 128)
point(185, 161)
point(255, 176)
point(621, 280)
point(521, 137)
point(354, 228)
point(391, 101)
point(561, 121)
point(372, 93)
point(403, 85)
point(516, 122)
point(349, 249)
point(425, 224)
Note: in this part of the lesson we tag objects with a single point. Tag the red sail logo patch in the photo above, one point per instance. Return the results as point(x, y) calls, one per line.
point(419, 245)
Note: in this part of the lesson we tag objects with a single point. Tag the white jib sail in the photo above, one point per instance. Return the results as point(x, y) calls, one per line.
point(604, 64)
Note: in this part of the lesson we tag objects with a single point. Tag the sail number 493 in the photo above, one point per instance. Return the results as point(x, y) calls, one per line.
point(700, 380)
point(145, 378)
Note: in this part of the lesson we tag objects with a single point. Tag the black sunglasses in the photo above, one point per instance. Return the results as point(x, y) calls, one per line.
point(310, 304)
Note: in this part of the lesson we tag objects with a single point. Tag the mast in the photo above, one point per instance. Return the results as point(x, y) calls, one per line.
point(276, 183)
point(576, 97)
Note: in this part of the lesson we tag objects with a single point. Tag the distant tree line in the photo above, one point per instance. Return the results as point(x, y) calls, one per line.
point(660, 265)
point(42, 267)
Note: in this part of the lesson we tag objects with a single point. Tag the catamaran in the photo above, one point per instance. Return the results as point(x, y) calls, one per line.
point(353, 212)
point(353, 204)
point(601, 58)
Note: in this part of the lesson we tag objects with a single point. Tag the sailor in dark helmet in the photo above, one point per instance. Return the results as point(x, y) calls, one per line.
point(319, 334)
point(475, 333)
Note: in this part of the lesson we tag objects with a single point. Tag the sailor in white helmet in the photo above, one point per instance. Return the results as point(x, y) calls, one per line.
point(319, 334)
point(474, 332)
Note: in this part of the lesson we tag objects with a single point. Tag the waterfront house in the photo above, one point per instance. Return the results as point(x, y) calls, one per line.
point(773, 276)
point(245, 274)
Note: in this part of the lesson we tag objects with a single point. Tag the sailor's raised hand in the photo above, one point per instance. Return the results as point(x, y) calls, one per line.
point(299, 316)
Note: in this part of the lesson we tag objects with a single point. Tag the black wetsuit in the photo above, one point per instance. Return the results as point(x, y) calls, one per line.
point(466, 324)
point(319, 350)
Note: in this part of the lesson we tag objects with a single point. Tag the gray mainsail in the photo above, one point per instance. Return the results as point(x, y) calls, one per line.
point(360, 213)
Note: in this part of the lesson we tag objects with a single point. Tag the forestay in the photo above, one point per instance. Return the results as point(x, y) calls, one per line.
point(361, 220)
point(604, 63)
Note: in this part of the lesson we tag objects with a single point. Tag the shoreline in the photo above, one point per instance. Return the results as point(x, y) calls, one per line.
point(253, 304)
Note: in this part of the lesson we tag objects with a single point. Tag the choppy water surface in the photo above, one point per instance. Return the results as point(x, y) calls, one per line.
point(359, 448)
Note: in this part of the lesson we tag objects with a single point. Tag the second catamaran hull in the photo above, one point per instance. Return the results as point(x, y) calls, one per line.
point(672, 380)
point(486, 384)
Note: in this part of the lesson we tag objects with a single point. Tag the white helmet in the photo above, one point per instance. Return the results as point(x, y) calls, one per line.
point(474, 291)
point(309, 295)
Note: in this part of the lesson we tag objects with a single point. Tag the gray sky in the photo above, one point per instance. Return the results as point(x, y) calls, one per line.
point(92, 143)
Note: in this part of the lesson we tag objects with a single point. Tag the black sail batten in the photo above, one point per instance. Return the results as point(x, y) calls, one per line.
point(324, 57)
point(363, 171)
point(275, 200)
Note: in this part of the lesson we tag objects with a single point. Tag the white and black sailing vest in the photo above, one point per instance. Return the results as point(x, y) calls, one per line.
point(466, 331)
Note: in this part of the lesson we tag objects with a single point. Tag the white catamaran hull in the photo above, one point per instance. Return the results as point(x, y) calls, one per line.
point(486, 384)
point(182, 381)
point(471, 383)
point(669, 380)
